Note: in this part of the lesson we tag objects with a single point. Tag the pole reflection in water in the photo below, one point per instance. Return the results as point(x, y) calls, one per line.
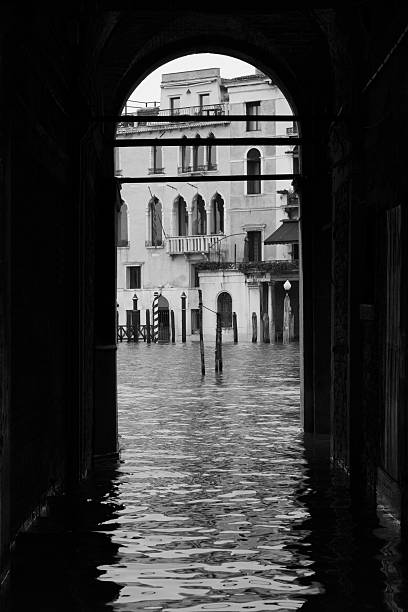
point(225, 507)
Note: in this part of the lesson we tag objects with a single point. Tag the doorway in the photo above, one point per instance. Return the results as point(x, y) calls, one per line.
point(164, 320)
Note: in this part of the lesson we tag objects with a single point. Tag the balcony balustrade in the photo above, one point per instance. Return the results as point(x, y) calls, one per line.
point(179, 245)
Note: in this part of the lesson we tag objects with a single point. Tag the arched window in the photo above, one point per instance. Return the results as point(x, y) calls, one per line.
point(182, 216)
point(217, 214)
point(199, 216)
point(122, 225)
point(156, 160)
point(185, 156)
point(198, 156)
point(156, 226)
point(224, 307)
point(211, 154)
point(254, 170)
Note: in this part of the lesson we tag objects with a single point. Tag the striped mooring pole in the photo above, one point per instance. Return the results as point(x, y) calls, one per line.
point(155, 316)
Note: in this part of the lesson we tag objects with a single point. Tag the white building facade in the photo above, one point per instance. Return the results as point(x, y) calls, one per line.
point(176, 237)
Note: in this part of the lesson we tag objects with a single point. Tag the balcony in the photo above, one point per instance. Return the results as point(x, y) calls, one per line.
point(208, 110)
point(180, 245)
point(273, 267)
point(199, 168)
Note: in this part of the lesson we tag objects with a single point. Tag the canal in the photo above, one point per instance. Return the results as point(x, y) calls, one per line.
point(219, 502)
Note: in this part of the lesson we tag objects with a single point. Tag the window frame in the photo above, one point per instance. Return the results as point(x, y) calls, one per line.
point(253, 105)
point(129, 269)
point(254, 180)
point(175, 110)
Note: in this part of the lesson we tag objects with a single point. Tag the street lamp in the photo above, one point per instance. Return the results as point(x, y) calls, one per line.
point(135, 298)
point(287, 314)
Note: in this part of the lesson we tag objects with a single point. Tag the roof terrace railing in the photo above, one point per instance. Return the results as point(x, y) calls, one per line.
point(207, 110)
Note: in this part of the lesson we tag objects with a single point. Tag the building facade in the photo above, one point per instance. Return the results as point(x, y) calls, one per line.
point(218, 235)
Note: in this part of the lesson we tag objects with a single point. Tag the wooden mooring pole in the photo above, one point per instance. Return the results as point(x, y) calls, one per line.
point(148, 338)
point(235, 326)
point(200, 325)
point(173, 327)
point(183, 317)
point(218, 345)
point(136, 325)
point(254, 328)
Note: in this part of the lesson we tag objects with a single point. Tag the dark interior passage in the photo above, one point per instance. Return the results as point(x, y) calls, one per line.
point(62, 75)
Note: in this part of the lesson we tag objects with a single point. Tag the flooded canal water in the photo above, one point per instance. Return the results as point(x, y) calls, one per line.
point(219, 502)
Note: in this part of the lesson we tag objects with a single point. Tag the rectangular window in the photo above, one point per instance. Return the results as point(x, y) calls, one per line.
point(133, 277)
point(157, 160)
point(195, 280)
point(204, 101)
point(254, 246)
point(195, 325)
point(174, 106)
point(252, 108)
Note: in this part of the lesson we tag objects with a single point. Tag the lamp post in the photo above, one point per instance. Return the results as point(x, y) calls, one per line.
point(183, 317)
point(286, 314)
point(135, 298)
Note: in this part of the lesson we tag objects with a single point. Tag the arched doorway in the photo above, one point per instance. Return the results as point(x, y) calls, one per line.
point(314, 398)
point(164, 319)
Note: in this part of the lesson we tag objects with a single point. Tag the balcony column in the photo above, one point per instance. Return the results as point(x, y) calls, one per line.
point(208, 221)
point(190, 222)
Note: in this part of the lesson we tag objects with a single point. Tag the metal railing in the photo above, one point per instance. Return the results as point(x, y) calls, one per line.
point(207, 110)
point(277, 266)
point(155, 170)
point(199, 168)
point(178, 245)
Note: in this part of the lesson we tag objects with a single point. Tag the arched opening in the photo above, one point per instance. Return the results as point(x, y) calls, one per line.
point(199, 216)
point(155, 225)
point(164, 319)
point(122, 237)
point(217, 214)
point(224, 308)
point(253, 161)
point(198, 156)
point(182, 216)
point(211, 153)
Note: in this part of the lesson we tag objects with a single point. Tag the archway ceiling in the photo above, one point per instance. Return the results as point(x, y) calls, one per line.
point(133, 43)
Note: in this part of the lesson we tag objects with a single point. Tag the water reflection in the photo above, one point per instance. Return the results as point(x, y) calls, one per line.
point(219, 501)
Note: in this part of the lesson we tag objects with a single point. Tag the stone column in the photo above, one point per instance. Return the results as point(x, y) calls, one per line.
point(105, 409)
point(271, 304)
point(190, 222)
point(208, 221)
